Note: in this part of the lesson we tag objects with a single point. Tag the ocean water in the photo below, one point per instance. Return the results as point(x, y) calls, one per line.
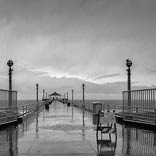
point(105, 103)
point(25, 102)
point(87, 102)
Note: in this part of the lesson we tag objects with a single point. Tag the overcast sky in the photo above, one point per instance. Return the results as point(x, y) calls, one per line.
point(62, 43)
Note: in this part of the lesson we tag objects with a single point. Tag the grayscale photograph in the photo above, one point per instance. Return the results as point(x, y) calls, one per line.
point(77, 77)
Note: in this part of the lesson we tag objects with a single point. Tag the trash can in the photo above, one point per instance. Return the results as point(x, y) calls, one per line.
point(97, 106)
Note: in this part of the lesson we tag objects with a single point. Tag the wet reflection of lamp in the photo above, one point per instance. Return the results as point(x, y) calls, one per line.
point(126, 147)
point(37, 135)
point(83, 133)
point(12, 135)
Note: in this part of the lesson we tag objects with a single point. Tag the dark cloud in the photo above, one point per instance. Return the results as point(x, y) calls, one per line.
point(77, 38)
point(106, 76)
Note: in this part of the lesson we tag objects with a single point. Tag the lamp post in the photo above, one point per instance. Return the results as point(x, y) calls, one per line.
point(129, 64)
point(37, 92)
point(83, 88)
point(10, 64)
point(83, 101)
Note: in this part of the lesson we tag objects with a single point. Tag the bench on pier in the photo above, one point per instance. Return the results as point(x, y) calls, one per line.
point(106, 125)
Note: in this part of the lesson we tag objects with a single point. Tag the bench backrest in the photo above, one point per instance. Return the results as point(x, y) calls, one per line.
point(107, 118)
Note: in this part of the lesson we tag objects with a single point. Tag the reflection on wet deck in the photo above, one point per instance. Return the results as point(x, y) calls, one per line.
point(8, 141)
point(140, 142)
point(57, 131)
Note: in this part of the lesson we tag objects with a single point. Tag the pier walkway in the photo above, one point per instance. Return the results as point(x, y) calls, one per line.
point(59, 132)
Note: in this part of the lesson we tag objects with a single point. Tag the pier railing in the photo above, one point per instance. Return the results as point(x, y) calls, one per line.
point(4, 98)
point(138, 106)
point(105, 106)
point(28, 109)
point(8, 114)
point(141, 106)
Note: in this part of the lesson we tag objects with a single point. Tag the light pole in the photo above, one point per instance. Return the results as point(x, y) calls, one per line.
point(83, 87)
point(10, 64)
point(129, 64)
point(37, 92)
point(83, 102)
